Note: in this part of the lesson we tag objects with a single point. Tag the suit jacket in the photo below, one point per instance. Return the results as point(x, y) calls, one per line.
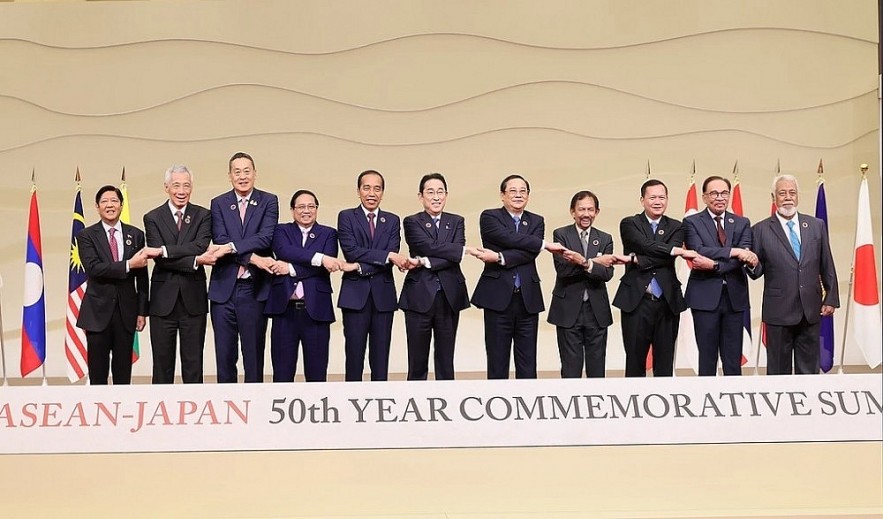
point(109, 285)
point(572, 281)
point(787, 279)
point(376, 277)
point(520, 250)
point(254, 235)
point(654, 257)
point(444, 252)
point(174, 276)
point(705, 286)
point(288, 245)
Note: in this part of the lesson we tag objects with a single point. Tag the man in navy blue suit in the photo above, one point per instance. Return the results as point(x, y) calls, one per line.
point(717, 292)
point(299, 300)
point(243, 222)
point(509, 287)
point(434, 291)
point(369, 237)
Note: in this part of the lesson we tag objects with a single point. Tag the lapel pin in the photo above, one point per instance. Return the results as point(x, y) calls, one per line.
point(595, 243)
point(312, 236)
point(187, 219)
point(252, 202)
point(382, 219)
point(447, 226)
point(128, 241)
point(731, 221)
point(524, 223)
point(804, 225)
point(232, 207)
point(428, 225)
point(660, 232)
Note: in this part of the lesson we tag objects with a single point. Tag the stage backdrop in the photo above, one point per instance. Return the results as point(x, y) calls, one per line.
point(572, 95)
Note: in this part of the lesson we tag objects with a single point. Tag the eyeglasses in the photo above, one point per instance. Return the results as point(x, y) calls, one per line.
point(517, 192)
point(306, 207)
point(431, 193)
point(718, 194)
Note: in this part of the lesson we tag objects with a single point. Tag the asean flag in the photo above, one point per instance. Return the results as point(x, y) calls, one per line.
point(865, 322)
point(33, 322)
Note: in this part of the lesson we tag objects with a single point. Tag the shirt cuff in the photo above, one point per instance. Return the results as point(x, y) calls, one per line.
point(165, 253)
point(317, 259)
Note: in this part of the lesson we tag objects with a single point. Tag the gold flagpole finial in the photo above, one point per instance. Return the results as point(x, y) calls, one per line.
point(77, 176)
point(123, 177)
point(820, 171)
point(778, 167)
point(864, 169)
point(693, 172)
point(736, 172)
point(33, 179)
point(648, 170)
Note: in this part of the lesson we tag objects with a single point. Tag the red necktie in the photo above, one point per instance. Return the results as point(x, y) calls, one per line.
point(371, 224)
point(721, 235)
point(242, 204)
point(114, 248)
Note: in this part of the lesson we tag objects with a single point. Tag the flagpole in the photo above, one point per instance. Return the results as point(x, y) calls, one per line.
point(864, 170)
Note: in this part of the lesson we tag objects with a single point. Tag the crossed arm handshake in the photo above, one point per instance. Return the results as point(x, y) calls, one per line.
point(700, 262)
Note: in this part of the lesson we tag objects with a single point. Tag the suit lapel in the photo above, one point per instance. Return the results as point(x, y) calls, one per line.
point(594, 246)
point(128, 242)
point(101, 237)
point(783, 238)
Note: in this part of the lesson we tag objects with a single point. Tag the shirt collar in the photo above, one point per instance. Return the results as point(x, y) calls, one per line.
point(174, 209)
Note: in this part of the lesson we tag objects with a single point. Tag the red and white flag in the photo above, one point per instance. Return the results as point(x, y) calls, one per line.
point(865, 327)
point(736, 206)
point(687, 350)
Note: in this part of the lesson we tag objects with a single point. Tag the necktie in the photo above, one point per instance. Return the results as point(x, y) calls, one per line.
point(795, 240)
point(371, 224)
point(298, 287)
point(655, 289)
point(179, 219)
point(584, 238)
point(243, 203)
point(517, 220)
point(721, 235)
point(114, 248)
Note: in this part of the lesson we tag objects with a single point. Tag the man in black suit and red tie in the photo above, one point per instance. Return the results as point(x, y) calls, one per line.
point(299, 301)
point(178, 298)
point(370, 238)
point(243, 222)
point(116, 301)
point(800, 281)
point(509, 288)
point(649, 293)
point(434, 291)
point(580, 308)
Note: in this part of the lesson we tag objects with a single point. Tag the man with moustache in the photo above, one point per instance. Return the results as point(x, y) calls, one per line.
point(116, 301)
point(509, 288)
point(580, 308)
point(794, 256)
point(434, 291)
point(178, 297)
point(369, 237)
point(243, 222)
point(649, 293)
point(299, 301)
point(717, 292)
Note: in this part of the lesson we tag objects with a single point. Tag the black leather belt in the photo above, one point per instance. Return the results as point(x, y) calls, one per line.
point(299, 304)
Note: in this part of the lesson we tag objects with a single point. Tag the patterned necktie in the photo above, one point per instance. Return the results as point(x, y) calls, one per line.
point(435, 220)
point(517, 220)
point(299, 287)
point(243, 203)
point(584, 238)
point(795, 240)
point(655, 289)
point(371, 224)
point(179, 219)
point(114, 248)
point(721, 235)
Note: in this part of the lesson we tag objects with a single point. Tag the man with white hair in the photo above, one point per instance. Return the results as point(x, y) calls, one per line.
point(178, 302)
point(800, 286)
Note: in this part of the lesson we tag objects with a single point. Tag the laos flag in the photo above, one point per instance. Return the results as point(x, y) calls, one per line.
point(33, 321)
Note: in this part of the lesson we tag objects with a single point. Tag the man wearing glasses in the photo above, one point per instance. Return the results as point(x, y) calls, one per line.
point(509, 288)
point(434, 291)
point(717, 292)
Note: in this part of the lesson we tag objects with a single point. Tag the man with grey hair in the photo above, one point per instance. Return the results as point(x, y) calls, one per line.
point(178, 304)
point(794, 256)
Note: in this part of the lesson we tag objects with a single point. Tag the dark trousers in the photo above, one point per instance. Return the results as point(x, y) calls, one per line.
point(583, 344)
point(440, 321)
point(503, 330)
point(110, 349)
point(368, 329)
point(164, 332)
point(719, 333)
point(293, 328)
point(800, 341)
point(652, 322)
point(240, 319)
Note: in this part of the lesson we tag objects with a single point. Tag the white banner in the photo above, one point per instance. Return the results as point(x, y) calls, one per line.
point(474, 413)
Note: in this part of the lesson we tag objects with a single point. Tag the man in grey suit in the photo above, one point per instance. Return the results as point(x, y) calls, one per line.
point(580, 308)
point(800, 283)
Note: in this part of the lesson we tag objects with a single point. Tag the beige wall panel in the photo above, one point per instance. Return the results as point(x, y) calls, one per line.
point(573, 95)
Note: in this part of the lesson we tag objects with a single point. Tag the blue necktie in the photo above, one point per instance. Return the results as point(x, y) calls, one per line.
point(435, 220)
point(517, 221)
point(795, 240)
point(655, 289)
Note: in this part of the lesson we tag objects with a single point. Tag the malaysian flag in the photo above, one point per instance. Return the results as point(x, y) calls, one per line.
point(75, 338)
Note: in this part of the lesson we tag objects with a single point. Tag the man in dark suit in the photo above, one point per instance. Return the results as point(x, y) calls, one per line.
point(649, 293)
point(800, 286)
point(369, 238)
point(434, 291)
point(178, 300)
point(299, 301)
point(509, 287)
point(243, 222)
point(116, 300)
point(717, 292)
point(580, 308)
